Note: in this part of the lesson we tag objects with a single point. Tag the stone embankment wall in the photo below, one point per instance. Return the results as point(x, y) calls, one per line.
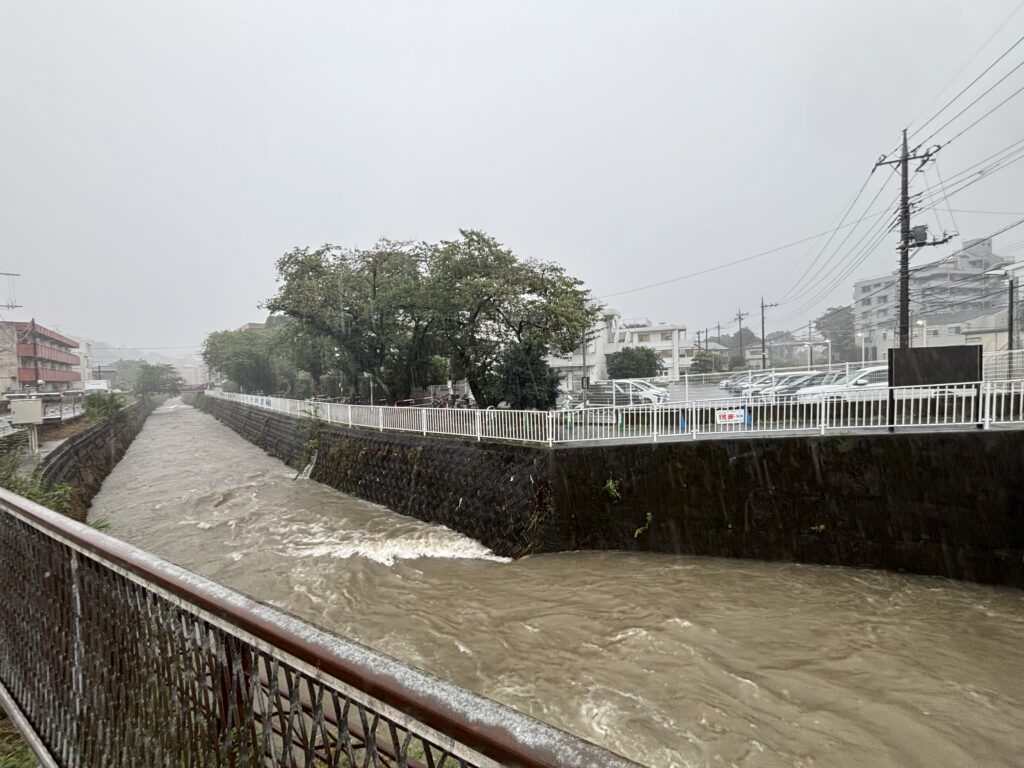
point(948, 504)
point(497, 494)
point(84, 460)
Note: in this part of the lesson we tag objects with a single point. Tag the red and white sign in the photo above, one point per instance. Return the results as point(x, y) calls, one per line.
point(731, 416)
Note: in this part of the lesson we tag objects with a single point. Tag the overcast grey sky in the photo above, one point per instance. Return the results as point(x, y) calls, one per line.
point(158, 156)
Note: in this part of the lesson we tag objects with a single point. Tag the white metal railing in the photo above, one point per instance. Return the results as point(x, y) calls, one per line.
point(981, 404)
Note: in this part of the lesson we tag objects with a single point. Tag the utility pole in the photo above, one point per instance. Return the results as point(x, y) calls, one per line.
point(764, 355)
point(919, 234)
point(698, 341)
point(719, 327)
point(740, 314)
point(12, 302)
point(35, 352)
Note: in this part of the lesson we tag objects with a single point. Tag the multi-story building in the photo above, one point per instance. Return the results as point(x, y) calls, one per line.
point(33, 356)
point(85, 355)
point(612, 334)
point(946, 296)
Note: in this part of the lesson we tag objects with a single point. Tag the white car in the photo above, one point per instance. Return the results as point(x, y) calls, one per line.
point(860, 385)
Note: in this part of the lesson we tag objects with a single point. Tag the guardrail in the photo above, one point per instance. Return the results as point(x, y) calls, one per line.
point(112, 657)
point(979, 403)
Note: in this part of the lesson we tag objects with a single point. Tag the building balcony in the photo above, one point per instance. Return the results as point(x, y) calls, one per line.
point(46, 333)
point(31, 351)
point(28, 375)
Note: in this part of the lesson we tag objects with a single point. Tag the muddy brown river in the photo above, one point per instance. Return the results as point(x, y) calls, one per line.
point(668, 660)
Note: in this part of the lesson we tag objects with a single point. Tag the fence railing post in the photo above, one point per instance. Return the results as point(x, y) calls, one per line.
point(380, 419)
point(986, 402)
point(824, 413)
point(551, 428)
point(477, 420)
point(654, 421)
point(350, 414)
point(423, 420)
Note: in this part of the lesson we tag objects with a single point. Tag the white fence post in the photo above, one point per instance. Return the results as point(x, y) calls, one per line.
point(986, 402)
point(350, 414)
point(551, 428)
point(654, 421)
point(476, 419)
point(380, 419)
point(423, 420)
point(824, 413)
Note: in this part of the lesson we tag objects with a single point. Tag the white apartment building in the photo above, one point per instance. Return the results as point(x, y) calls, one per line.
point(950, 299)
point(611, 334)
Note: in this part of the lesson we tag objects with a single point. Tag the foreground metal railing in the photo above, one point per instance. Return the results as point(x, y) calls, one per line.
point(983, 404)
point(112, 657)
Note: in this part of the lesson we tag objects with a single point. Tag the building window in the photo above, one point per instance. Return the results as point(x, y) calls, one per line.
point(882, 299)
point(666, 335)
point(642, 337)
point(665, 353)
point(954, 330)
point(933, 331)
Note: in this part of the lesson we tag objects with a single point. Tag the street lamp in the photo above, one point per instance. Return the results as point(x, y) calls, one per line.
point(861, 334)
point(924, 331)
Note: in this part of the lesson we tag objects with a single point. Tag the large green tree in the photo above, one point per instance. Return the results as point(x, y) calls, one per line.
point(391, 311)
point(486, 300)
point(371, 308)
point(244, 357)
point(522, 379)
point(159, 377)
point(633, 363)
point(836, 325)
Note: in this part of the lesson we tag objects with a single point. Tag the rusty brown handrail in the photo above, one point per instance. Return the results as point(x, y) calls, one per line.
point(479, 724)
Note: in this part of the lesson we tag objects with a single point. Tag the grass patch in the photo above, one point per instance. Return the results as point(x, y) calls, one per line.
point(14, 753)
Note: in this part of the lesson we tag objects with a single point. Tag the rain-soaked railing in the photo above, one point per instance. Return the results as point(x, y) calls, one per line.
point(982, 404)
point(112, 657)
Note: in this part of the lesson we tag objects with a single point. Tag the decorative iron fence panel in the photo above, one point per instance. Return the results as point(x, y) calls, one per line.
point(111, 657)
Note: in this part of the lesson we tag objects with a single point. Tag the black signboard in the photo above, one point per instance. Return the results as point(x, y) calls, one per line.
point(934, 365)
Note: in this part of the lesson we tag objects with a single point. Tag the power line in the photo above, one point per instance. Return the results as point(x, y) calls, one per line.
point(827, 242)
point(728, 264)
point(966, 64)
point(966, 88)
point(997, 106)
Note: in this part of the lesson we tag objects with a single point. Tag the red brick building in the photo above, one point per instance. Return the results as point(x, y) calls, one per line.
point(30, 353)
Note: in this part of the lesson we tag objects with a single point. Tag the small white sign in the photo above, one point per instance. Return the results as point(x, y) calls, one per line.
point(731, 415)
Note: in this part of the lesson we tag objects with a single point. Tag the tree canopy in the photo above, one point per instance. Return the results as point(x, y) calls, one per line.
point(836, 325)
point(634, 363)
point(161, 377)
point(393, 310)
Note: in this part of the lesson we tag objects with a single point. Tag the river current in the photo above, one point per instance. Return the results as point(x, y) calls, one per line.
point(668, 660)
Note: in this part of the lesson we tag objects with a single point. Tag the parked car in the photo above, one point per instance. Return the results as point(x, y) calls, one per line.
point(747, 381)
point(625, 392)
point(862, 384)
point(786, 383)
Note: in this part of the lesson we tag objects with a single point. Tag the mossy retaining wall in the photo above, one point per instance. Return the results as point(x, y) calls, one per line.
point(496, 494)
point(948, 504)
point(84, 460)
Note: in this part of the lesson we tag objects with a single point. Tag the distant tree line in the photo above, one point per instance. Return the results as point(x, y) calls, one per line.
point(404, 315)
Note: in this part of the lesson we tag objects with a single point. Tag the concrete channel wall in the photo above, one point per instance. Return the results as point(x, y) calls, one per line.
point(940, 503)
point(84, 460)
